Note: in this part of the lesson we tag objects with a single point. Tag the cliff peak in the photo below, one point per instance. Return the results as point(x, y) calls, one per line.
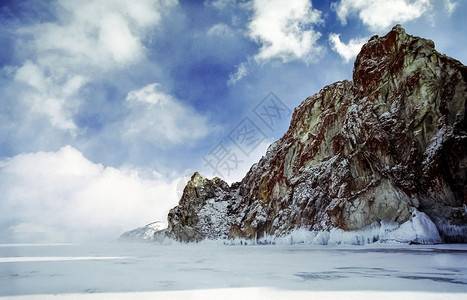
point(380, 158)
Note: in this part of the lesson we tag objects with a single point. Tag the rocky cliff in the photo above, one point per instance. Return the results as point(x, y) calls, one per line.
point(381, 157)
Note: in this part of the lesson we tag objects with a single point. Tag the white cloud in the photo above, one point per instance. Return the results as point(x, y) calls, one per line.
point(450, 6)
point(62, 196)
point(221, 30)
point(237, 76)
point(283, 29)
point(381, 14)
point(346, 51)
point(48, 97)
point(31, 74)
point(220, 4)
point(87, 39)
point(160, 119)
point(99, 33)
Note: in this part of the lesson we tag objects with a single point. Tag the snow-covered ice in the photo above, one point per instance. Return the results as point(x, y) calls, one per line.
point(212, 271)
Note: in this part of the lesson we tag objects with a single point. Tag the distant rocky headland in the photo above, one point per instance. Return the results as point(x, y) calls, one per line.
point(380, 158)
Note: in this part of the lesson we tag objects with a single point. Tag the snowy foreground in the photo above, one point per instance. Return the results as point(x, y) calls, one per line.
point(149, 271)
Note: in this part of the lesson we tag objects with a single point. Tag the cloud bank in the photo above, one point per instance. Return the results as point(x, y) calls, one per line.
point(62, 196)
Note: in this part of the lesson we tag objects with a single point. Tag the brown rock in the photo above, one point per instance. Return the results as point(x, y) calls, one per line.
point(356, 154)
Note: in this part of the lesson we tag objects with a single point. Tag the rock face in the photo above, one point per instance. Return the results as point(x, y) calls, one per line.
point(202, 210)
point(387, 149)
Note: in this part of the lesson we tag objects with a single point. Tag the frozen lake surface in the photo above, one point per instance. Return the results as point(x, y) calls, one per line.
point(97, 271)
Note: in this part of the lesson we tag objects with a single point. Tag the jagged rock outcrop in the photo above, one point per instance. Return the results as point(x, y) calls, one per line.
point(387, 149)
point(202, 210)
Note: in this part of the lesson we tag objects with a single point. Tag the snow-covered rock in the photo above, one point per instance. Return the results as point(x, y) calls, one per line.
point(144, 234)
point(202, 210)
point(383, 157)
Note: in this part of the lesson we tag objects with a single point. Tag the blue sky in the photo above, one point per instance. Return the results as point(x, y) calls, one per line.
point(105, 105)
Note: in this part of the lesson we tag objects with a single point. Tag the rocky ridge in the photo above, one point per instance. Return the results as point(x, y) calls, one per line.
point(382, 157)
